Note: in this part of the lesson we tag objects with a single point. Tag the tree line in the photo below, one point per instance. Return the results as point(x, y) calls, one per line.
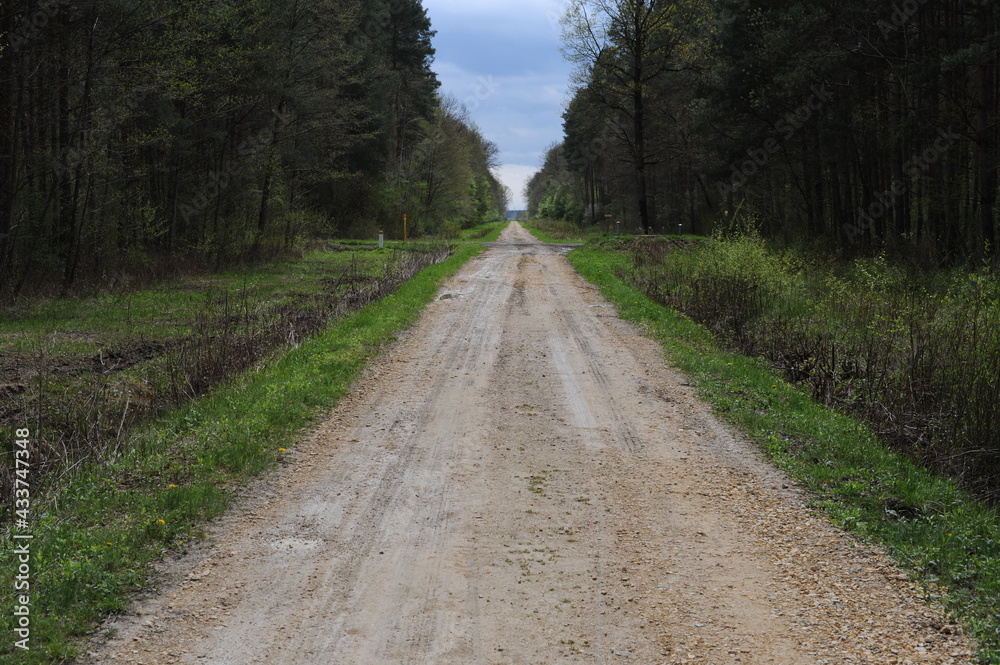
point(140, 135)
point(855, 125)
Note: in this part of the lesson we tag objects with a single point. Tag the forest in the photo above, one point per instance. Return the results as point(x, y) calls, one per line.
point(143, 139)
point(850, 126)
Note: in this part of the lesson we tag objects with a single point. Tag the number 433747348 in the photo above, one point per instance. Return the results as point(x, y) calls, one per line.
point(22, 491)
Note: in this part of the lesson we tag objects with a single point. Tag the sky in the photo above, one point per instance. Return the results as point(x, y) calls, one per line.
point(501, 59)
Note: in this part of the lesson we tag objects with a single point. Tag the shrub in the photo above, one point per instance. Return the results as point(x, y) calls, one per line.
point(918, 357)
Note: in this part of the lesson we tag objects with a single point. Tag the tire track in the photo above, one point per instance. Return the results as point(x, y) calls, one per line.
point(520, 480)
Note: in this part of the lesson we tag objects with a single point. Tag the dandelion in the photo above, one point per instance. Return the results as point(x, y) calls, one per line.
point(161, 521)
point(172, 486)
point(281, 450)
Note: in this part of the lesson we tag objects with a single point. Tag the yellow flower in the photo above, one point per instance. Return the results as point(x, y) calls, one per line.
point(281, 450)
point(171, 486)
point(161, 521)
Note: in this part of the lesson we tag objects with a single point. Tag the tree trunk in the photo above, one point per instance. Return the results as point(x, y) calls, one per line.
point(639, 120)
point(987, 160)
point(67, 212)
point(640, 160)
point(7, 138)
point(265, 199)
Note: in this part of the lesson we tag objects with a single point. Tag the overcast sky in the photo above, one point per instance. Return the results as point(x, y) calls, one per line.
point(501, 58)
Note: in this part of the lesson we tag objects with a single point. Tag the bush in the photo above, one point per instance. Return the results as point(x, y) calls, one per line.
point(917, 357)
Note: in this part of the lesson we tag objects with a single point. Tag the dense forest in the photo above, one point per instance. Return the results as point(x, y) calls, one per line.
point(853, 125)
point(136, 137)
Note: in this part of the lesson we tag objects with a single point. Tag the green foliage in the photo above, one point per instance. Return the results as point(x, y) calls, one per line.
point(842, 125)
point(560, 206)
point(915, 357)
point(450, 183)
point(552, 193)
point(182, 135)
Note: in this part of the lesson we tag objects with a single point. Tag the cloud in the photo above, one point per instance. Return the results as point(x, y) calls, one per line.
point(522, 15)
point(516, 177)
point(502, 60)
point(527, 92)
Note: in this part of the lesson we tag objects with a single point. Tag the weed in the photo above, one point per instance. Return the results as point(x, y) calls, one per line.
point(918, 358)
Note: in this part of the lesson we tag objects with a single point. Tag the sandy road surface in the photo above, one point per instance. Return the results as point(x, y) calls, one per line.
point(522, 481)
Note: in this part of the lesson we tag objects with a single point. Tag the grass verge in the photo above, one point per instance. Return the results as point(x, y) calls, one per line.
point(554, 232)
point(946, 540)
point(484, 232)
point(94, 540)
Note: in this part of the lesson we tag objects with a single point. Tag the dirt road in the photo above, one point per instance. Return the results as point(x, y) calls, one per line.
point(521, 480)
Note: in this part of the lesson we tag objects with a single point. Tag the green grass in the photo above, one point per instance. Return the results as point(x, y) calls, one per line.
point(95, 538)
point(484, 232)
point(936, 531)
point(163, 312)
point(489, 232)
point(555, 232)
point(87, 372)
